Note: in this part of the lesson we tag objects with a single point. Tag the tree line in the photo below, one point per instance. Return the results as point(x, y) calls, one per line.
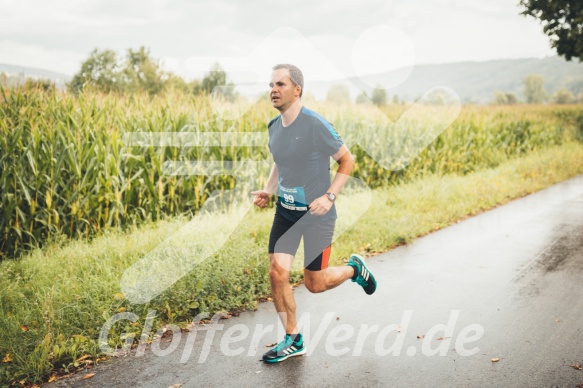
point(105, 71)
point(535, 93)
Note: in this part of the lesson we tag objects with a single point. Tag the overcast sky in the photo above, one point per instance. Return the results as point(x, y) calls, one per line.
point(327, 39)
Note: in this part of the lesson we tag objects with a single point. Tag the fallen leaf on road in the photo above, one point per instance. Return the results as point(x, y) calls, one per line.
point(175, 386)
point(576, 366)
point(226, 316)
point(88, 376)
point(83, 357)
point(271, 345)
point(421, 336)
point(442, 338)
point(495, 359)
point(258, 371)
point(398, 328)
point(23, 327)
point(52, 378)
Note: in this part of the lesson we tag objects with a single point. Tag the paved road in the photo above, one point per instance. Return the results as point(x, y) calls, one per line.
point(506, 284)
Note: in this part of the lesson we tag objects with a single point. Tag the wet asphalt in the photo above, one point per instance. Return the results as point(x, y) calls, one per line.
point(495, 300)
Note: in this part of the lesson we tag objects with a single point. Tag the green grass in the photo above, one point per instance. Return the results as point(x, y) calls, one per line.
point(64, 292)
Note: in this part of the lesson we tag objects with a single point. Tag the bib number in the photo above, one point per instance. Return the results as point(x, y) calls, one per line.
point(292, 198)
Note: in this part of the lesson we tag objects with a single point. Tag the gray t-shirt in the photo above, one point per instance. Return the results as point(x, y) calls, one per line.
point(302, 154)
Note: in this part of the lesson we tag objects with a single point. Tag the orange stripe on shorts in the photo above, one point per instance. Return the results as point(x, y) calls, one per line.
point(325, 257)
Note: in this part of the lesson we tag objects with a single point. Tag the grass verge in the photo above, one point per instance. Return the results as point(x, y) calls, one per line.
point(54, 301)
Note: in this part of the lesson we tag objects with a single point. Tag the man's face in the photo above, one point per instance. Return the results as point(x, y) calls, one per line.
point(283, 91)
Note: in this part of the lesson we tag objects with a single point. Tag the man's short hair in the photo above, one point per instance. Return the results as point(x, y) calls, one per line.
point(295, 74)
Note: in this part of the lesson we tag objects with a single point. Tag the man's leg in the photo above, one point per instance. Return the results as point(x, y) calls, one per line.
point(281, 292)
point(318, 276)
point(285, 304)
point(320, 281)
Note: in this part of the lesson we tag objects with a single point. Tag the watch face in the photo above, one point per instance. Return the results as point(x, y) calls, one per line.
point(331, 196)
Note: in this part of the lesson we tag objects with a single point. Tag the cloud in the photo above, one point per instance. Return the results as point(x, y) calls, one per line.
point(26, 55)
point(440, 30)
point(168, 28)
point(328, 17)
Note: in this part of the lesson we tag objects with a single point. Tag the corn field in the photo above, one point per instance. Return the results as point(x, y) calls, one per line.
point(65, 169)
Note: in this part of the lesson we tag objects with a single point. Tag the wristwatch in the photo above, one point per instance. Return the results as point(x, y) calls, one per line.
point(331, 196)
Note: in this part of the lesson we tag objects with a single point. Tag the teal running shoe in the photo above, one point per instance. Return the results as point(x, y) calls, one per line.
point(364, 277)
point(286, 349)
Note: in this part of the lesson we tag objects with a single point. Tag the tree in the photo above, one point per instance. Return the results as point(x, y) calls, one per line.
point(338, 94)
point(563, 96)
point(379, 96)
point(105, 72)
point(176, 83)
point(40, 84)
point(500, 98)
point(362, 98)
point(534, 90)
point(141, 72)
point(216, 77)
point(436, 97)
point(562, 22)
point(100, 70)
point(511, 98)
point(505, 98)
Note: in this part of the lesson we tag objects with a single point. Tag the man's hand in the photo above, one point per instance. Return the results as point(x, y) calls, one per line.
point(320, 206)
point(261, 198)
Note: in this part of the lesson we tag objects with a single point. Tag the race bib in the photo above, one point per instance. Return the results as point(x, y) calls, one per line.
point(292, 198)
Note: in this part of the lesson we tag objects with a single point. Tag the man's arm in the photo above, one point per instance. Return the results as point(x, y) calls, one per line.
point(271, 185)
point(345, 160)
point(262, 196)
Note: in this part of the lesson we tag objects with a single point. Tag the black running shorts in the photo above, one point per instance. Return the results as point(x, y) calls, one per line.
point(285, 237)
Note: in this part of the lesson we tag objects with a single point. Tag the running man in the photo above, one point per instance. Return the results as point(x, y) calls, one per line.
point(302, 142)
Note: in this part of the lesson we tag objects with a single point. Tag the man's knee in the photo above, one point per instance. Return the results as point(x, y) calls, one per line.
point(277, 272)
point(314, 283)
point(278, 275)
point(315, 288)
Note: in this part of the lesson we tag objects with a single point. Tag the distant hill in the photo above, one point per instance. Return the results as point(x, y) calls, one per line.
point(474, 81)
point(20, 73)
